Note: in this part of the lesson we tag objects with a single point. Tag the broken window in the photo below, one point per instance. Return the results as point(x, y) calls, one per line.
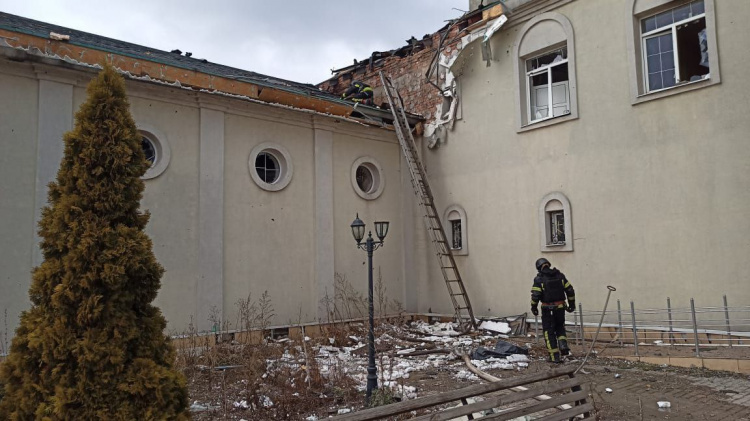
point(364, 179)
point(675, 46)
point(545, 71)
point(456, 230)
point(557, 227)
point(149, 149)
point(456, 243)
point(267, 167)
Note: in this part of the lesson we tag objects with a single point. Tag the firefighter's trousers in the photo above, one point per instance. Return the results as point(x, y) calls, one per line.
point(553, 323)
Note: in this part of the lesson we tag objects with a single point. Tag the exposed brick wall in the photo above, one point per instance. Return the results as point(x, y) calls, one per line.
point(407, 74)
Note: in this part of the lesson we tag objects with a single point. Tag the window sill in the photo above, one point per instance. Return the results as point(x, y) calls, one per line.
point(547, 122)
point(677, 89)
point(459, 252)
point(552, 248)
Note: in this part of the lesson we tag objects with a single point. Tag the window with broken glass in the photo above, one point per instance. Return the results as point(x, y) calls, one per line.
point(365, 179)
point(267, 167)
point(542, 72)
point(557, 228)
point(456, 234)
point(149, 149)
point(675, 46)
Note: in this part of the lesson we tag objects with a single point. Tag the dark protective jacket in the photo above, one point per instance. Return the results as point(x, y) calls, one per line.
point(551, 288)
point(359, 90)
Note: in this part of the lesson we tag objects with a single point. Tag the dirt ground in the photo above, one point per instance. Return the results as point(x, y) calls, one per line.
point(286, 384)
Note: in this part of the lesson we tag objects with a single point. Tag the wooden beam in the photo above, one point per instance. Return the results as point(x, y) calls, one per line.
point(497, 401)
point(570, 413)
point(538, 406)
point(454, 395)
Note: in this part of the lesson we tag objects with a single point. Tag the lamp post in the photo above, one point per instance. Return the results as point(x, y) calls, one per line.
point(369, 246)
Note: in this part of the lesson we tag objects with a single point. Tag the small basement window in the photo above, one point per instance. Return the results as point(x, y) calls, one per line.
point(675, 46)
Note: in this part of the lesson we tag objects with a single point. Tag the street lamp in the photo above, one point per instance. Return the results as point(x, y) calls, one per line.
point(370, 245)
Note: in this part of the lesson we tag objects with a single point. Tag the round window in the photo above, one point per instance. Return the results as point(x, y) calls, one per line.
point(367, 178)
point(364, 179)
point(270, 166)
point(149, 149)
point(267, 167)
point(156, 149)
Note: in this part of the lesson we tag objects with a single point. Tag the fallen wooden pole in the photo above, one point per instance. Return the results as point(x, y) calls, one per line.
point(491, 378)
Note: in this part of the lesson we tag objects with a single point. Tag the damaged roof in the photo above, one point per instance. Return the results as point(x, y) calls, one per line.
point(414, 45)
point(301, 93)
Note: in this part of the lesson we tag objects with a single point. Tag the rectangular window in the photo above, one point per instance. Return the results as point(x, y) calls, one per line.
point(549, 69)
point(456, 231)
point(675, 46)
point(557, 227)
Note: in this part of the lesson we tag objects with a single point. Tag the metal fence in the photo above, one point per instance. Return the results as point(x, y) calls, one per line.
point(673, 325)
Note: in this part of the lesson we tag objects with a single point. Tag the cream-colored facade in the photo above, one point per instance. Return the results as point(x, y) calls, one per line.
point(657, 183)
point(653, 186)
point(218, 233)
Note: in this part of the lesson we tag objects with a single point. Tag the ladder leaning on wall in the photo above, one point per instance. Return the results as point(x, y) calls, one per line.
point(456, 290)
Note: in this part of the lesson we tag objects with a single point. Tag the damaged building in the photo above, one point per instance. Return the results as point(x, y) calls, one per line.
point(608, 137)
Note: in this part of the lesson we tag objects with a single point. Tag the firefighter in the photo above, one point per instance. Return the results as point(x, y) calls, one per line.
point(551, 288)
point(359, 92)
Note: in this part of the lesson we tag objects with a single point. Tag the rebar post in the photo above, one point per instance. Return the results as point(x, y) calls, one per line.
point(580, 315)
point(669, 313)
point(619, 321)
point(726, 317)
point(695, 328)
point(575, 328)
point(635, 330)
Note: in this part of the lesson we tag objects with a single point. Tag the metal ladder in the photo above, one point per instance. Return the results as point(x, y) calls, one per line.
point(456, 290)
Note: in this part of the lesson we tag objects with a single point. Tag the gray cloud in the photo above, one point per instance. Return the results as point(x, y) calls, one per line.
point(295, 39)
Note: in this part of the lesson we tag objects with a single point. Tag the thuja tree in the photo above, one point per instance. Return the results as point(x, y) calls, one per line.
point(92, 346)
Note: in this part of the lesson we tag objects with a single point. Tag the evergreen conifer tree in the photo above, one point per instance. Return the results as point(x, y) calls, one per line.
point(92, 346)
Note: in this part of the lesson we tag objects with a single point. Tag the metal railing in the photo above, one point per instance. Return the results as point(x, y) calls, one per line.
point(691, 325)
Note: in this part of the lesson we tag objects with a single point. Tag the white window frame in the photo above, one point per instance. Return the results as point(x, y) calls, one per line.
point(533, 39)
point(550, 87)
point(635, 10)
point(672, 28)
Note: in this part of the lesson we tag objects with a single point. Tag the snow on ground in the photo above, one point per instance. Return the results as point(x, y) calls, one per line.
point(397, 365)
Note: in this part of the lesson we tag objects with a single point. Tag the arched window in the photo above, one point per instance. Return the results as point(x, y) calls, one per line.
point(555, 223)
point(545, 72)
point(672, 47)
point(456, 229)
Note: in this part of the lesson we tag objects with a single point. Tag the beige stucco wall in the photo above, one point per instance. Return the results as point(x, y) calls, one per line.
point(18, 111)
point(658, 190)
point(289, 242)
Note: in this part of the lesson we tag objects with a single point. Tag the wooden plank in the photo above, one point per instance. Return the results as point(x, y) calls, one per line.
point(538, 406)
point(570, 413)
point(496, 401)
point(454, 395)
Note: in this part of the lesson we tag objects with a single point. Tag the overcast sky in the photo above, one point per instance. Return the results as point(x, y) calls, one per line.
point(300, 40)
